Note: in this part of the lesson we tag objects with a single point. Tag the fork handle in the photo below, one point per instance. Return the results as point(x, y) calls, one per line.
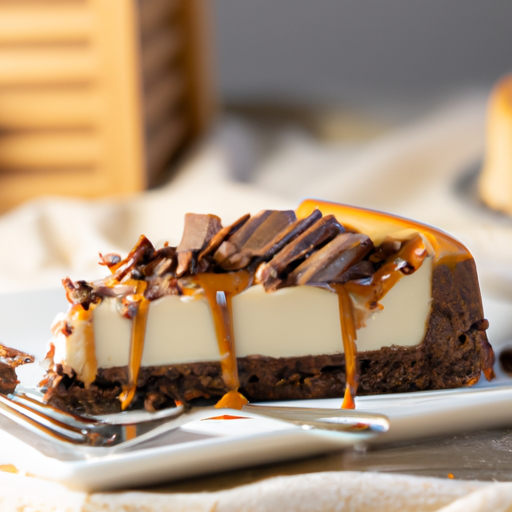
point(325, 419)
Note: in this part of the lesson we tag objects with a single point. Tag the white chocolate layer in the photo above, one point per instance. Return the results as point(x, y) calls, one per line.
point(292, 322)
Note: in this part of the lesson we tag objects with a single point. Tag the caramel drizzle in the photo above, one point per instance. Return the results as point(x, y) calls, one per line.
point(138, 334)
point(219, 290)
point(447, 250)
point(349, 337)
point(367, 295)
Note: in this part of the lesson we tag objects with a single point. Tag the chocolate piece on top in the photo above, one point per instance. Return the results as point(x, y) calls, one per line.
point(287, 235)
point(323, 230)
point(360, 270)
point(330, 262)
point(262, 230)
point(199, 230)
point(141, 252)
point(219, 237)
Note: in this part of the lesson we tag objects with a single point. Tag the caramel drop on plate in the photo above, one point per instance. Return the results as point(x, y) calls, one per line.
point(232, 400)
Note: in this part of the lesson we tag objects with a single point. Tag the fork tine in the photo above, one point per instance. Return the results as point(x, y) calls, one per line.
point(69, 418)
point(41, 423)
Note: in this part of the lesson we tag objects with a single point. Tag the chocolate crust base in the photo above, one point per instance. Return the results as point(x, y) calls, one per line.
point(453, 354)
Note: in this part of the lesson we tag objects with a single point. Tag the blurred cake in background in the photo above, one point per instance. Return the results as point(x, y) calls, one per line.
point(495, 185)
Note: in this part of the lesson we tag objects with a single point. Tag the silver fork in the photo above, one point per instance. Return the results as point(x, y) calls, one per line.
point(29, 411)
point(90, 436)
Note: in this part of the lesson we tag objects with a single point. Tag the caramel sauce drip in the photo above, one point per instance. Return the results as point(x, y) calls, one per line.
point(406, 261)
point(349, 337)
point(366, 294)
point(138, 332)
point(219, 290)
point(136, 342)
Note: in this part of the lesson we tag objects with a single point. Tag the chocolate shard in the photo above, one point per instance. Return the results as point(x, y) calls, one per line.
point(11, 358)
point(109, 260)
point(14, 357)
point(386, 249)
point(330, 262)
point(324, 229)
point(142, 251)
point(219, 237)
point(164, 261)
point(199, 230)
point(286, 236)
point(160, 286)
point(360, 270)
point(80, 292)
point(260, 231)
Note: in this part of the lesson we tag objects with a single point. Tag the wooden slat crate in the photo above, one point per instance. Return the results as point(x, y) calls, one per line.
point(97, 96)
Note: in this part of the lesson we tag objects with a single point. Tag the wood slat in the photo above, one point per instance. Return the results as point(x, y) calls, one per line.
point(57, 108)
point(198, 64)
point(28, 150)
point(161, 98)
point(162, 144)
point(154, 13)
point(37, 66)
point(45, 23)
point(17, 187)
point(158, 52)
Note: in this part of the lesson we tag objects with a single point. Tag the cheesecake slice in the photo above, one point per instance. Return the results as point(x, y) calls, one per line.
point(325, 301)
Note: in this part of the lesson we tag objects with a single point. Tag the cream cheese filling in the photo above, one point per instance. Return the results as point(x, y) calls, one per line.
point(291, 322)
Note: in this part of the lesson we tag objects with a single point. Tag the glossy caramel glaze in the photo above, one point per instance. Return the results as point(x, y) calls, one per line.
point(377, 225)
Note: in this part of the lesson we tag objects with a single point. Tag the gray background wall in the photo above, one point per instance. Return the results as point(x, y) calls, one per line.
point(359, 50)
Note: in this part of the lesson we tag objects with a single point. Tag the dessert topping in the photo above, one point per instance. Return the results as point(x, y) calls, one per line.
point(14, 357)
point(323, 230)
point(263, 230)
point(215, 242)
point(197, 234)
point(221, 262)
point(329, 263)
